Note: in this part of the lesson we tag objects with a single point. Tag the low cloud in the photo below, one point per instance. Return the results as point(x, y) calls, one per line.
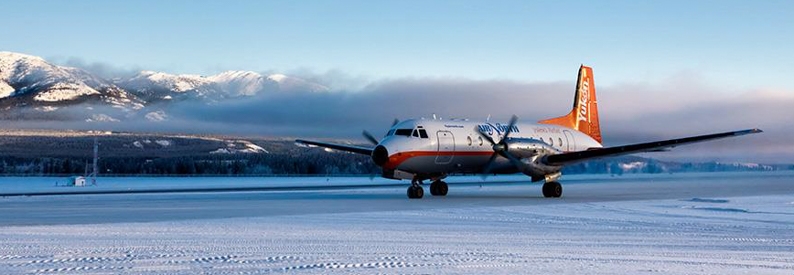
point(346, 113)
point(103, 70)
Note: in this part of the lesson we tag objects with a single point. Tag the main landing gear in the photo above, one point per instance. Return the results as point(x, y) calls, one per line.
point(437, 188)
point(552, 189)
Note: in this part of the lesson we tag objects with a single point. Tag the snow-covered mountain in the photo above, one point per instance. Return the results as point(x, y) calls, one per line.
point(241, 83)
point(30, 81)
point(290, 84)
point(157, 86)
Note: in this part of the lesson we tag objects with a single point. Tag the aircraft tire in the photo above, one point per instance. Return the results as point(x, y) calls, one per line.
point(439, 188)
point(415, 192)
point(552, 189)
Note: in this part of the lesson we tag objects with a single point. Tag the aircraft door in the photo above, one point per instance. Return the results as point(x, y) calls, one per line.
point(570, 144)
point(446, 147)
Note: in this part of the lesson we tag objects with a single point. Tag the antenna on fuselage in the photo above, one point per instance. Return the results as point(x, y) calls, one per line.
point(434, 116)
point(488, 119)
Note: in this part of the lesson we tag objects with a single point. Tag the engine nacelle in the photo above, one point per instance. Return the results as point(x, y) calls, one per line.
point(531, 152)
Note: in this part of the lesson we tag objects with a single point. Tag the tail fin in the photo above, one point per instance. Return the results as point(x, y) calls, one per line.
point(584, 116)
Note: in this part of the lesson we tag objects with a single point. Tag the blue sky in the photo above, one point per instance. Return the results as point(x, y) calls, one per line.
point(728, 44)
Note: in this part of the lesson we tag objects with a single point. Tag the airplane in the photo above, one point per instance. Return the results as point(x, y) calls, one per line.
point(431, 149)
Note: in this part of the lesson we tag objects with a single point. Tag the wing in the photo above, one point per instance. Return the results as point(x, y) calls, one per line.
point(568, 158)
point(348, 148)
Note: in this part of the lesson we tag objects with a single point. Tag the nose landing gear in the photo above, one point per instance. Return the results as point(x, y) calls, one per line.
point(416, 191)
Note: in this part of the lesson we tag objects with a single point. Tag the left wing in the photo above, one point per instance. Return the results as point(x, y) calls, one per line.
point(572, 157)
point(348, 148)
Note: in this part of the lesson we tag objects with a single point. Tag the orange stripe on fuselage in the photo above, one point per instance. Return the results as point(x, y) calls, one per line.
point(399, 158)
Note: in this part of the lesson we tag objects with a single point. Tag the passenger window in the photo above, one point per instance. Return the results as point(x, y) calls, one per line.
point(469, 140)
point(422, 133)
point(560, 140)
point(551, 142)
point(480, 139)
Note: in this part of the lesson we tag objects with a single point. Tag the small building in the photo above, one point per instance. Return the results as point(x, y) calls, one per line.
point(77, 181)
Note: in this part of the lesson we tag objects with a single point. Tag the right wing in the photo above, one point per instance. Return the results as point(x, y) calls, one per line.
point(573, 157)
point(347, 148)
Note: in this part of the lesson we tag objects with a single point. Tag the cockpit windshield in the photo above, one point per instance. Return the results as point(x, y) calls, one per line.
point(403, 132)
point(419, 133)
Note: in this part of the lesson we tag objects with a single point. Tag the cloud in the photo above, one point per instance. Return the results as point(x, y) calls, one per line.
point(346, 113)
point(678, 107)
point(103, 70)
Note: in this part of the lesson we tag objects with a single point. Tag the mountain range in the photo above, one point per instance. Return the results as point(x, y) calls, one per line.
point(32, 88)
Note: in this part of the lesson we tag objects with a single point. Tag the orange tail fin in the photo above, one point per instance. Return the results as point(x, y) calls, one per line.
point(584, 116)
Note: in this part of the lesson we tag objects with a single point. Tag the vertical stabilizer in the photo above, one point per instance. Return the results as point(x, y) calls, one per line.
point(584, 115)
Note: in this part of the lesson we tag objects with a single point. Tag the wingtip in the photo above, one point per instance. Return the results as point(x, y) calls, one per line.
point(750, 131)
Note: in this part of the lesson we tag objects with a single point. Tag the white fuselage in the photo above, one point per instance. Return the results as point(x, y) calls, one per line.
point(439, 147)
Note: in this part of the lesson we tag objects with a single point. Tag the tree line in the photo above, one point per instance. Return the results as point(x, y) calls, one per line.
point(237, 164)
point(297, 162)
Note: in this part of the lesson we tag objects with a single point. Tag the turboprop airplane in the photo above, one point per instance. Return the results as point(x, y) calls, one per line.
point(431, 149)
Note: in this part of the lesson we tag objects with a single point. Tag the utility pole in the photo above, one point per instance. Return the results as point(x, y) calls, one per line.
point(96, 158)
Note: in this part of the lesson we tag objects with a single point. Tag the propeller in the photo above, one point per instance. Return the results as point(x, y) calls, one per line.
point(500, 148)
point(369, 137)
point(372, 138)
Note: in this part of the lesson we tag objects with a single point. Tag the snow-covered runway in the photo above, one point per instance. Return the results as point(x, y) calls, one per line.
point(664, 224)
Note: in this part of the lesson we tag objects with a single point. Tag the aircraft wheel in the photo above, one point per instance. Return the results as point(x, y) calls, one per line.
point(439, 188)
point(415, 192)
point(552, 189)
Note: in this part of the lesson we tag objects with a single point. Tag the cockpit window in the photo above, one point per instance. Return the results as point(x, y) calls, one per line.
point(420, 133)
point(403, 132)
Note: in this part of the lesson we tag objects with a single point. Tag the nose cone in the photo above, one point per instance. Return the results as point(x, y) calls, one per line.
point(380, 155)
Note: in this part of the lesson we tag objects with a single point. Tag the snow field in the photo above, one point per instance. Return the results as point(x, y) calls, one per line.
point(687, 236)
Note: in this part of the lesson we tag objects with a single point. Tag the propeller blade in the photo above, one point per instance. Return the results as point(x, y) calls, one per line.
point(489, 165)
point(369, 137)
point(510, 126)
